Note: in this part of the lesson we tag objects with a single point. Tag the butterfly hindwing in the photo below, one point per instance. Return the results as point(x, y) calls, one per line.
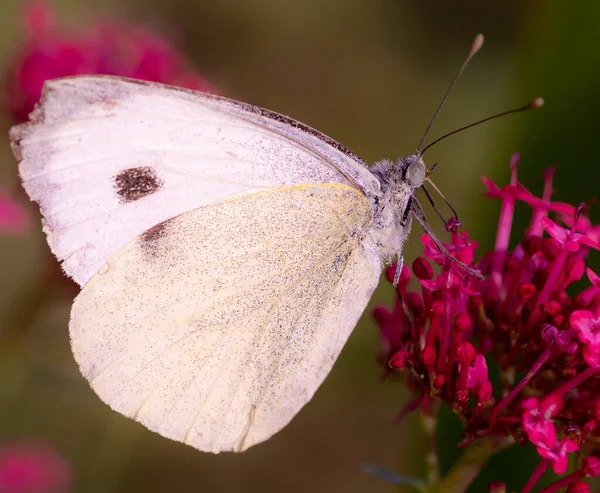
point(215, 327)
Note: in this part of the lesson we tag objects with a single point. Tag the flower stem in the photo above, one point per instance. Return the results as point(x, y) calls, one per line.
point(555, 272)
point(535, 477)
point(432, 464)
point(503, 236)
point(470, 464)
point(513, 393)
point(575, 381)
point(564, 482)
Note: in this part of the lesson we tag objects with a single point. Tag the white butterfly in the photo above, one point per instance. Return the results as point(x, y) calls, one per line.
point(225, 252)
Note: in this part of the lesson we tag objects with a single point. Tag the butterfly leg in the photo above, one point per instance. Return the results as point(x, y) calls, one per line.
point(399, 265)
point(407, 313)
point(432, 202)
point(417, 211)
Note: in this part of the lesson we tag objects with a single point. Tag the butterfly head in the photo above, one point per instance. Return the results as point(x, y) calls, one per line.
point(415, 171)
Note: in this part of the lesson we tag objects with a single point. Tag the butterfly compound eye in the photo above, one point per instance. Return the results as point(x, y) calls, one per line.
point(416, 173)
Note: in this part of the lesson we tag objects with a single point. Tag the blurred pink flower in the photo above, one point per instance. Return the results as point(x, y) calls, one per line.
point(14, 220)
point(107, 47)
point(33, 469)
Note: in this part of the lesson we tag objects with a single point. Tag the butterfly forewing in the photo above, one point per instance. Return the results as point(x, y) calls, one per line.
point(109, 158)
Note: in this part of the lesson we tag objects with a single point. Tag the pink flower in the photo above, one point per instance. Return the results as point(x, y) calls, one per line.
point(565, 238)
point(14, 220)
point(587, 326)
point(538, 419)
point(29, 469)
point(558, 454)
point(105, 48)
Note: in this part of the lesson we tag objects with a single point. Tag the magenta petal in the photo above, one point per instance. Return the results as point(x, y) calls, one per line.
point(545, 453)
point(582, 320)
point(569, 446)
point(559, 464)
point(540, 431)
point(493, 190)
point(591, 355)
point(530, 403)
point(554, 230)
point(431, 285)
point(593, 277)
point(587, 241)
point(478, 373)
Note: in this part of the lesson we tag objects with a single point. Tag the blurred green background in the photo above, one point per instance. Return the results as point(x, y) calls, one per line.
point(368, 73)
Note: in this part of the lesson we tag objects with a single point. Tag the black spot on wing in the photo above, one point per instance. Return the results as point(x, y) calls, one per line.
point(135, 183)
point(150, 240)
point(155, 233)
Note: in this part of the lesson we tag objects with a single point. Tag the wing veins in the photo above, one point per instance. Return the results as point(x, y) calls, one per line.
point(116, 360)
point(320, 317)
point(328, 255)
point(275, 302)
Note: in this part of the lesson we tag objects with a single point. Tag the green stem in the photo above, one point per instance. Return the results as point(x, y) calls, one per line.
point(432, 463)
point(470, 464)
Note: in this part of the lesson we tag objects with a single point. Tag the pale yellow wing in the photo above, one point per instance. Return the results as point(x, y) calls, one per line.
point(215, 327)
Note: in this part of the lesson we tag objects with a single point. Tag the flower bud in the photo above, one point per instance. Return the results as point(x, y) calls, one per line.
point(428, 356)
point(591, 466)
point(551, 308)
point(400, 359)
point(405, 274)
point(465, 353)
point(526, 291)
point(422, 269)
point(579, 487)
point(462, 323)
point(439, 381)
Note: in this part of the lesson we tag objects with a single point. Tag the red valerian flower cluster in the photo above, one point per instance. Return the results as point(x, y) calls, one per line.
point(105, 48)
point(544, 340)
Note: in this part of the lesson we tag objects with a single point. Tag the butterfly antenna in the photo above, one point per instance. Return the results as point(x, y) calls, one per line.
point(535, 104)
point(477, 44)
